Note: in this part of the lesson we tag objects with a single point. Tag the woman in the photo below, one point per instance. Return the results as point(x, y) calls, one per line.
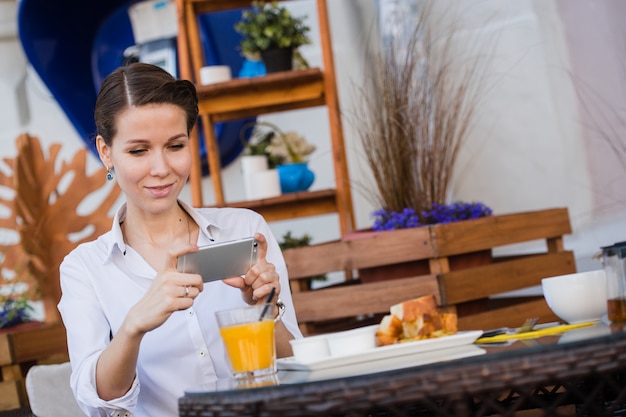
point(139, 332)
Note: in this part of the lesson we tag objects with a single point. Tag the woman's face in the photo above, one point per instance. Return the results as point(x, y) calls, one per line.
point(150, 155)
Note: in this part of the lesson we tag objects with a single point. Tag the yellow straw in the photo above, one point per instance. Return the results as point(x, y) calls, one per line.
point(534, 333)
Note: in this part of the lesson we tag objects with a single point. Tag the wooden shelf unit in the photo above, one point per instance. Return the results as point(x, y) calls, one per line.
point(247, 97)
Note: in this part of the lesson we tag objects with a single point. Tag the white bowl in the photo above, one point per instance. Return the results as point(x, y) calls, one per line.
point(310, 349)
point(352, 341)
point(577, 298)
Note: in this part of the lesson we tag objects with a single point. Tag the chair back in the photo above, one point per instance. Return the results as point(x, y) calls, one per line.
point(49, 391)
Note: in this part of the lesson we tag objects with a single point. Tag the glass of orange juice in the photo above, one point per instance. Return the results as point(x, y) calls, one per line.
point(248, 335)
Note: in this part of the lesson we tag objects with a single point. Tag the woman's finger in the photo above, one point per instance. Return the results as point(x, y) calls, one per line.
point(175, 251)
point(261, 253)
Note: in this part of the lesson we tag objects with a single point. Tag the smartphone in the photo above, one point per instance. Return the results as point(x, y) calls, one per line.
point(221, 260)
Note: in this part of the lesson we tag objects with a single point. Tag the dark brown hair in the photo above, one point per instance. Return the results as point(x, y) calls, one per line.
point(138, 84)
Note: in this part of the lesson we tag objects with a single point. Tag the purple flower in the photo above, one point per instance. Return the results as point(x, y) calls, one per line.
point(438, 214)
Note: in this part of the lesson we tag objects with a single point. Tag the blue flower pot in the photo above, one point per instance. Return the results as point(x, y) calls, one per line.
point(295, 177)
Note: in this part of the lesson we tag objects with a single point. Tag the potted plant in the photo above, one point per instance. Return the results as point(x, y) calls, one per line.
point(285, 151)
point(272, 33)
point(414, 115)
point(14, 311)
point(15, 307)
point(289, 242)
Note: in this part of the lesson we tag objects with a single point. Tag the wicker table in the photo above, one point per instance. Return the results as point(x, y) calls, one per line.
point(587, 375)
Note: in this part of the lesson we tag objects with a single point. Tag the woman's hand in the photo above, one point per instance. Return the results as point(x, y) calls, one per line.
point(170, 291)
point(259, 279)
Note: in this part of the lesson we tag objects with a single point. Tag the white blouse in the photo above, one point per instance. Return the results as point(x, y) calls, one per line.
point(101, 280)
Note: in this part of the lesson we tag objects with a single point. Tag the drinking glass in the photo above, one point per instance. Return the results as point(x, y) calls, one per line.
point(248, 335)
point(614, 262)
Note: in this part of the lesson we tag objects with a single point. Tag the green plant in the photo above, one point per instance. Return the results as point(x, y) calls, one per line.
point(279, 147)
point(14, 311)
point(268, 25)
point(15, 293)
point(15, 307)
point(290, 242)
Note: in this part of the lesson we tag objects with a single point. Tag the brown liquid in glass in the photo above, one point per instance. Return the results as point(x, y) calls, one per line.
point(617, 310)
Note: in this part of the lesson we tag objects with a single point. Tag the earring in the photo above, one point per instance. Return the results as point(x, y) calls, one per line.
point(110, 174)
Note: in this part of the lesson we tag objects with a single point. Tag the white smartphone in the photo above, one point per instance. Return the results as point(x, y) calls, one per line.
point(221, 260)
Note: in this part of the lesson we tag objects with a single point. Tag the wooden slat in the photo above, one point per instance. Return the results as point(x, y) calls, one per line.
point(237, 114)
point(374, 250)
point(501, 230)
point(33, 343)
point(353, 300)
point(344, 195)
point(213, 159)
point(292, 205)
point(208, 6)
point(248, 96)
point(11, 372)
point(483, 281)
point(12, 395)
point(512, 315)
point(6, 353)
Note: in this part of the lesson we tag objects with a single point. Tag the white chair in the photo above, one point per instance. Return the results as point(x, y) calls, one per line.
point(49, 392)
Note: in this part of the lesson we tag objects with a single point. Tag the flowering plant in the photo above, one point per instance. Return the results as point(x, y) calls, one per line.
point(14, 311)
point(15, 307)
point(279, 147)
point(439, 213)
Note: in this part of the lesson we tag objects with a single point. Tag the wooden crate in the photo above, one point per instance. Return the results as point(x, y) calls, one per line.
point(468, 289)
point(22, 347)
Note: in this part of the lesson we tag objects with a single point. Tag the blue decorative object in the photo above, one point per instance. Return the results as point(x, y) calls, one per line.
point(252, 69)
point(295, 177)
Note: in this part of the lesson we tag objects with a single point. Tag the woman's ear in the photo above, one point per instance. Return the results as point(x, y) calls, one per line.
point(104, 151)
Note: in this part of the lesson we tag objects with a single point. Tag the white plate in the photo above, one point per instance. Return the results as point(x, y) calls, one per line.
point(398, 350)
point(382, 365)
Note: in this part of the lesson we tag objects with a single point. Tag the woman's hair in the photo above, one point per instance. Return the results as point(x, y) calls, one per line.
point(138, 84)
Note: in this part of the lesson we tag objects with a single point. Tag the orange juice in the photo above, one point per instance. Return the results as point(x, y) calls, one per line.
point(250, 346)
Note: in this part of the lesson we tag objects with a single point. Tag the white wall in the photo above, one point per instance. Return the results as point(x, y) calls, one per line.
point(528, 151)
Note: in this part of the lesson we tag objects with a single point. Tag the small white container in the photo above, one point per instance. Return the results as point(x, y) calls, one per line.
point(215, 74)
point(310, 349)
point(253, 163)
point(262, 184)
point(352, 341)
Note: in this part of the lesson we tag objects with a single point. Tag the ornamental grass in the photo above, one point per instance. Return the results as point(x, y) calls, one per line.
point(415, 111)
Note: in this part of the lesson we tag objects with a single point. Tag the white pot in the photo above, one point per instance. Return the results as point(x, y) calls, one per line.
point(262, 184)
point(253, 163)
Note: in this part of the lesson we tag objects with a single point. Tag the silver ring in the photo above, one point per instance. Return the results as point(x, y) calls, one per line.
point(186, 290)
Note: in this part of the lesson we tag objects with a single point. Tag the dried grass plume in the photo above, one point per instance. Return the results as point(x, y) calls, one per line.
point(415, 111)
